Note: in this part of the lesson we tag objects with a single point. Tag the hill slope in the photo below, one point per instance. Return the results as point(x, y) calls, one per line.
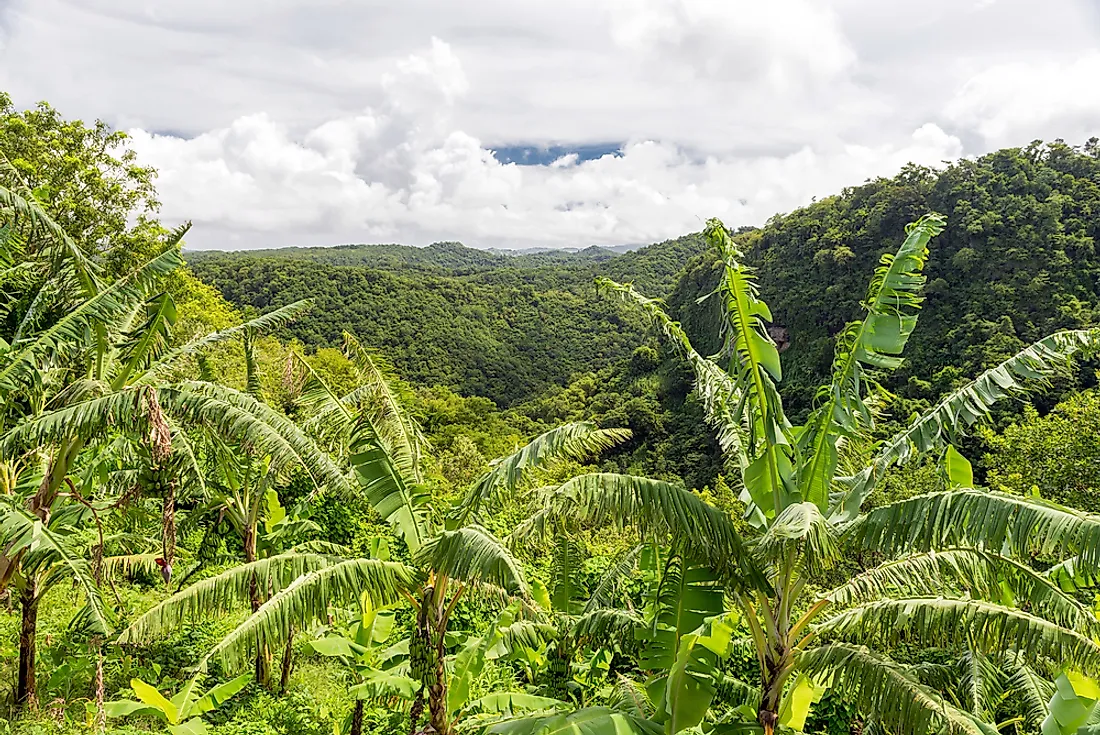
point(508, 327)
point(1017, 261)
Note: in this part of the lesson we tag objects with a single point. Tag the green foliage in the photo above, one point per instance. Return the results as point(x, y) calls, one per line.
point(1055, 455)
point(507, 328)
point(1016, 261)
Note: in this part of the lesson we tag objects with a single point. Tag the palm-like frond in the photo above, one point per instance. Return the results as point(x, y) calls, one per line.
point(102, 308)
point(129, 565)
point(575, 441)
point(631, 698)
point(983, 682)
point(877, 342)
point(389, 492)
point(882, 689)
point(50, 554)
point(241, 417)
point(399, 433)
point(474, 556)
point(981, 574)
point(222, 593)
point(1028, 369)
point(260, 325)
point(715, 388)
point(1033, 690)
point(606, 624)
point(944, 621)
point(308, 599)
point(603, 594)
point(95, 416)
point(800, 531)
point(1017, 525)
point(654, 508)
point(149, 340)
point(588, 721)
point(755, 365)
point(17, 198)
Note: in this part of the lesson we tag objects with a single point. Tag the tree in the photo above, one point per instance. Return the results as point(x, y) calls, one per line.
point(87, 179)
point(803, 490)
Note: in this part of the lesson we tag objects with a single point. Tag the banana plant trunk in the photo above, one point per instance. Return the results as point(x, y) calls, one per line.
point(26, 690)
point(263, 655)
point(437, 689)
point(777, 662)
point(357, 718)
point(168, 530)
point(288, 662)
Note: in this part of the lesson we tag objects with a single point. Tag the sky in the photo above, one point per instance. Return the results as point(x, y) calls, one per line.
point(564, 123)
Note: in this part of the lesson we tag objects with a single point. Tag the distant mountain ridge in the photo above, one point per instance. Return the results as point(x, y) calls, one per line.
point(447, 256)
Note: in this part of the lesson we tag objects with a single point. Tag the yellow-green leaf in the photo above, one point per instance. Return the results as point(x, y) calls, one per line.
point(796, 705)
point(148, 694)
point(959, 470)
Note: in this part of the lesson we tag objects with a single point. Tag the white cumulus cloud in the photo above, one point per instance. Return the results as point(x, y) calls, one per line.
point(278, 122)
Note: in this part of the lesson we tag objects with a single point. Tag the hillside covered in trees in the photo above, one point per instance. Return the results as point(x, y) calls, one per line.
point(507, 327)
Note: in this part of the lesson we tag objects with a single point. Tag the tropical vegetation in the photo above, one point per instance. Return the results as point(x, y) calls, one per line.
point(564, 492)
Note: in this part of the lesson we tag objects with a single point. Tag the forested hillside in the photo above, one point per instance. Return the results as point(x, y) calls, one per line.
point(506, 327)
point(1017, 260)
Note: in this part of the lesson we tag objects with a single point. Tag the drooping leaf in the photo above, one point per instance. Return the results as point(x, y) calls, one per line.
point(1028, 369)
point(473, 555)
point(879, 686)
point(589, 721)
point(719, 394)
point(575, 441)
point(659, 510)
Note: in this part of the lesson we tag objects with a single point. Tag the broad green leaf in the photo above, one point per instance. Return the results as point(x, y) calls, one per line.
point(540, 594)
point(275, 510)
point(1083, 685)
point(217, 696)
point(1069, 711)
point(589, 721)
point(124, 707)
point(512, 703)
point(335, 645)
point(194, 726)
point(470, 662)
point(378, 685)
point(960, 473)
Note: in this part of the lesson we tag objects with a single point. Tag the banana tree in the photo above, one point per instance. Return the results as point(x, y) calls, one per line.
point(949, 557)
point(182, 713)
point(577, 618)
point(360, 645)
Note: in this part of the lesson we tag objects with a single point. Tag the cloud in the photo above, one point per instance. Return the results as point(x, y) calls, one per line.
point(401, 172)
point(1013, 103)
point(278, 122)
